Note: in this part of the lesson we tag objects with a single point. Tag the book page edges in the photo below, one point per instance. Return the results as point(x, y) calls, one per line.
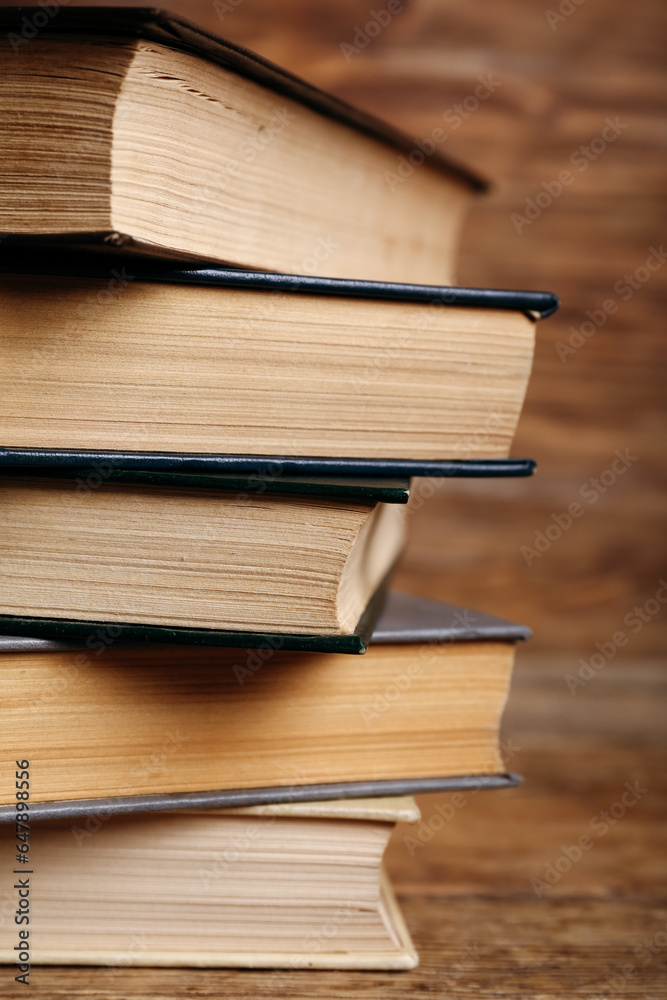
point(403, 958)
point(392, 809)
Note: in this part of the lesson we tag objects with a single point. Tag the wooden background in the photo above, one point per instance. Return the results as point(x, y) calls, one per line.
point(476, 919)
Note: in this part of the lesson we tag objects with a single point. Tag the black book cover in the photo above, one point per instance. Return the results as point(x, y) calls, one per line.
point(264, 483)
point(73, 263)
point(86, 463)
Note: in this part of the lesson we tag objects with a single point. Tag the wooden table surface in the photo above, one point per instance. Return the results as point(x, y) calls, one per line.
point(480, 927)
point(478, 896)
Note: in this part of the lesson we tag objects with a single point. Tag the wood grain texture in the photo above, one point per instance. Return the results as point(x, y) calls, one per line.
point(573, 948)
point(469, 885)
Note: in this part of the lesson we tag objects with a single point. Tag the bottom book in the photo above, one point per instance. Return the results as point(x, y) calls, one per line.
point(295, 886)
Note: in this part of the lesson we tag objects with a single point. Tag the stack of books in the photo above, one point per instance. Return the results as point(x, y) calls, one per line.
point(229, 340)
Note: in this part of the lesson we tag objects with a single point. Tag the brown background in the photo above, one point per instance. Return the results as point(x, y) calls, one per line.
point(469, 887)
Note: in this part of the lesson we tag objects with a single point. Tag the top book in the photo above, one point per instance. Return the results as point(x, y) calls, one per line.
point(134, 129)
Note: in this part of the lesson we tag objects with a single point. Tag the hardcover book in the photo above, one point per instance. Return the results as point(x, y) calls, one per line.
point(297, 886)
point(143, 363)
point(136, 129)
point(184, 726)
point(166, 557)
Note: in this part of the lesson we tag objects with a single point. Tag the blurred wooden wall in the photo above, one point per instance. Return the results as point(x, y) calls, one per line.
point(557, 78)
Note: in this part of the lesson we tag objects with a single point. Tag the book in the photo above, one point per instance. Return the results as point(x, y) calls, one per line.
point(111, 719)
point(137, 129)
point(195, 559)
point(297, 886)
point(210, 362)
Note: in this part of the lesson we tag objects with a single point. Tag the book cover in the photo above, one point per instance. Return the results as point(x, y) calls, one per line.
point(434, 629)
point(535, 305)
